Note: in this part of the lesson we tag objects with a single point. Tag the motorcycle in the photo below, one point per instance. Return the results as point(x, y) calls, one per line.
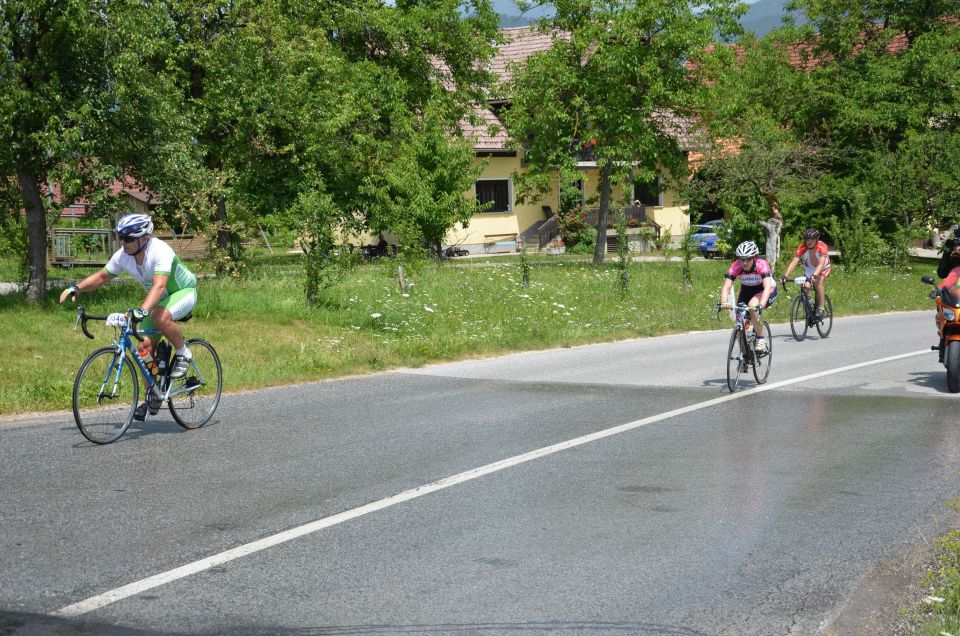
point(948, 328)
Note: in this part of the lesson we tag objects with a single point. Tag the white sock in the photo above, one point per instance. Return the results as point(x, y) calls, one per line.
point(185, 352)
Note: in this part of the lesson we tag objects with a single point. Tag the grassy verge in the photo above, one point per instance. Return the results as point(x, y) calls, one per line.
point(939, 613)
point(267, 336)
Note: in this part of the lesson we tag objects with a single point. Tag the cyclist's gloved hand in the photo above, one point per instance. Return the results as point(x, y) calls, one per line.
point(70, 291)
point(116, 319)
point(140, 314)
point(783, 280)
point(935, 292)
point(726, 306)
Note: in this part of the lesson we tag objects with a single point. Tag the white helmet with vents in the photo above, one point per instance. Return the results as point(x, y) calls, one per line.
point(747, 249)
point(135, 225)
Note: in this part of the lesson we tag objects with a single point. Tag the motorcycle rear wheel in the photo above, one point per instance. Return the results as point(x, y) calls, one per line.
point(952, 361)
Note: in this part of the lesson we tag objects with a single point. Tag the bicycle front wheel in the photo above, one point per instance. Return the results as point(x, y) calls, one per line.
point(761, 361)
point(798, 318)
point(736, 359)
point(194, 397)
point(825, 324)
point(105, 395)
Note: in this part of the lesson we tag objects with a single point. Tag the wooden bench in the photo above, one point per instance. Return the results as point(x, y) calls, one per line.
point(500, 243)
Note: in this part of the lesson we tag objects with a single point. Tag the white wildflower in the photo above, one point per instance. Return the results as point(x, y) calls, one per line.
point(375, 315)
point(429, 309)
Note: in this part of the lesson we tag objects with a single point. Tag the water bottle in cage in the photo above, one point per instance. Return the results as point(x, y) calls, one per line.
point(143, 350)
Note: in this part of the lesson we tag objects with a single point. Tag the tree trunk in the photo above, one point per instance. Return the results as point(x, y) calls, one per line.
point(773, 226)
point(29, 187)
point(600, 249)
point(223, 234)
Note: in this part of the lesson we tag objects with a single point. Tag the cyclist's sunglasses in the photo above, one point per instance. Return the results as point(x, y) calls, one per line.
point(745, 259)
point(128, 239)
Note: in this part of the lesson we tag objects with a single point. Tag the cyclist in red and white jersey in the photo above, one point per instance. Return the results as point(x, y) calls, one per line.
point(757, 286)
point(816, 264)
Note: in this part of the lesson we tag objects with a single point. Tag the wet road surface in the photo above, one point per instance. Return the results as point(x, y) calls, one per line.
point(701, 514)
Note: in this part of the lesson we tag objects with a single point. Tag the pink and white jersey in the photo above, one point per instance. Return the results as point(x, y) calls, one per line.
point(754, 277)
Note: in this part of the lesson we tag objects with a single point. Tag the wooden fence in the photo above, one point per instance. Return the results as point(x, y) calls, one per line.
point(95, 246)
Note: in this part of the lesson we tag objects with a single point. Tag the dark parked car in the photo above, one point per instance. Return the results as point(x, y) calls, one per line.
point(455, 250)
point(704, 238)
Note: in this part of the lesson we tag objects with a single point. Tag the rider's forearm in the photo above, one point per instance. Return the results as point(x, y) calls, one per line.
point(153, 297)
point(92, 281)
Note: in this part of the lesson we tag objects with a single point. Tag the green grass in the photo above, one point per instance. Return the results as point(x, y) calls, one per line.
point(265, 334)
point(939, 613)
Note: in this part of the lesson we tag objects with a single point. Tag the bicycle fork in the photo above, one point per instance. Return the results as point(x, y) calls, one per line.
point(117, 368)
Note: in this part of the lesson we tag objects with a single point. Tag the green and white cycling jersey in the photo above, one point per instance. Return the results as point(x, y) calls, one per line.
point(158, 258)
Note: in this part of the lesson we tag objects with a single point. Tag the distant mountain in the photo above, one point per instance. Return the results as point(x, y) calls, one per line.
point(765, 15)
point(507, 21)
point(762, 17)
point(510, 15)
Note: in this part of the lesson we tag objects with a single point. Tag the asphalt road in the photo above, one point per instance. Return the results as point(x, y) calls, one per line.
point(606, 489)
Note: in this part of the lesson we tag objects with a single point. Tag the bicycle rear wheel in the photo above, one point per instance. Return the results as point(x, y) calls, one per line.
point(195, 397)
point(798, 318)
point(761, 361)
point(825, 324)
point(736, 359)
point(105, 395)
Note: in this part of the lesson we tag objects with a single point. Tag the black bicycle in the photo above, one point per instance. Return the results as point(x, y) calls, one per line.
point(106, 391)
point(803, 312)
point(742, 356)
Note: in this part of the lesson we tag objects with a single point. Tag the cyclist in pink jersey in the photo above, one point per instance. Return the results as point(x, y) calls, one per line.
point(816, 264)
point(757, 286)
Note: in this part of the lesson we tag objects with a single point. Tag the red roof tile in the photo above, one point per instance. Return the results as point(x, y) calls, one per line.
point(486, 140)
point(519, 44)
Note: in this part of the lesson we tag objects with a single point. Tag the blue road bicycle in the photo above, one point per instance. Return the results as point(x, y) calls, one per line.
point(106, 391)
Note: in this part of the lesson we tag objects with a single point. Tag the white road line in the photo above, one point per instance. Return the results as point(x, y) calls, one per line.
point(132, 589)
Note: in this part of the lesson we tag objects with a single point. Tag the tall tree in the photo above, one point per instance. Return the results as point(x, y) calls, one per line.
point(753, 102)
point(885, 98)
point(614, 66)
point(81, 96)
point(374, 98)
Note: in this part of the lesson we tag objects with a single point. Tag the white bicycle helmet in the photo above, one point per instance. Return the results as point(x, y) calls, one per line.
point(135, 225)
point(747, 249)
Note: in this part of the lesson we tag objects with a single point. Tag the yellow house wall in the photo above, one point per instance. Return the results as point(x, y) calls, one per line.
point(671, 216)
point(517, 220)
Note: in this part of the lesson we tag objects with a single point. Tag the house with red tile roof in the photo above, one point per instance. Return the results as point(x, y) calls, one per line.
point(498, 228)
point(70, 244)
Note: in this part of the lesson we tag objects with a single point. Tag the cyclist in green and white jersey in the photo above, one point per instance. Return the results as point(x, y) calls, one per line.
point(171, 287)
